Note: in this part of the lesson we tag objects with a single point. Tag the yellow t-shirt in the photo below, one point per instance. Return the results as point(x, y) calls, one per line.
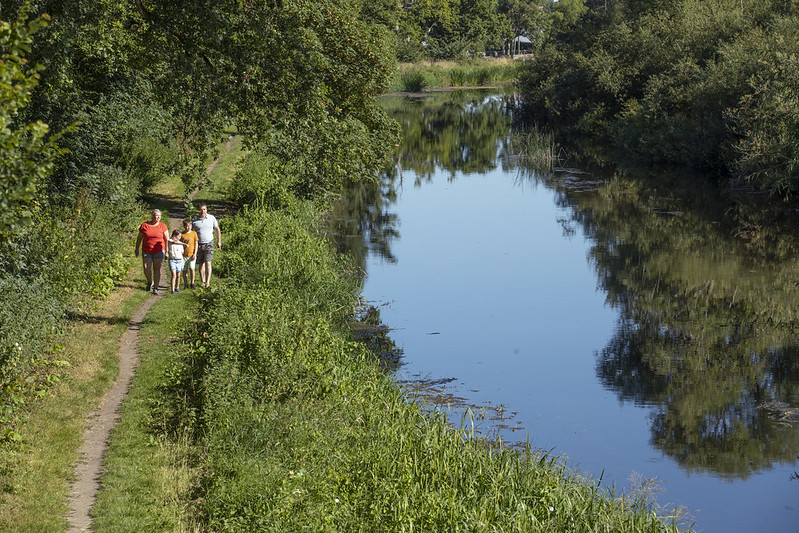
point(190, 238)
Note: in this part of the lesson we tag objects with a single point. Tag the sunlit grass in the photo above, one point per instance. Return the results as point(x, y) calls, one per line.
point(148, 477)
point(36, 499)
point(417, 77)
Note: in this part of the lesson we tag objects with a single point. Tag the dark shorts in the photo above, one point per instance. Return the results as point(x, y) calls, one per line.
point(159, 255)
point(205, 252)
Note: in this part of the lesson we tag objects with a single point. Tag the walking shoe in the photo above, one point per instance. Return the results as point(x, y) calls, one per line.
point(192, 286)
point(177, 290)
point(155, 291)
point(149, 286)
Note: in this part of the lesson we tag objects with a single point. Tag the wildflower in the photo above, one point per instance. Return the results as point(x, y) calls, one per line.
point(335, 500)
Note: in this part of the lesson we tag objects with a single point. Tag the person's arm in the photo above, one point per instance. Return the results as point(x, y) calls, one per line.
point(138, 243)
point(166, 244)
point(218, 237)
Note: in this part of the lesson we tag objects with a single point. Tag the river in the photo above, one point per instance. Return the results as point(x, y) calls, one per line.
point(643, 330)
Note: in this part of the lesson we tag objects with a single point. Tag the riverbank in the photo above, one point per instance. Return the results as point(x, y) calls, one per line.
point(428, 75)
point(263, 414)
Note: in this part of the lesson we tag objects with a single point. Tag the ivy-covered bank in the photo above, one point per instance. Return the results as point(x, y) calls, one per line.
point(285, 424)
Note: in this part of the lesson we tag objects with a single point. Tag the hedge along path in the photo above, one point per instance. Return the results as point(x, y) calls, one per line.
point(100, 423)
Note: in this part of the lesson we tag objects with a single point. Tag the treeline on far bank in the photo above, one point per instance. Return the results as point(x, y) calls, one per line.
point(712, 85)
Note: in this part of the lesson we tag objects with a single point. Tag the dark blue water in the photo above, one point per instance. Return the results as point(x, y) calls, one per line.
point(570, 314)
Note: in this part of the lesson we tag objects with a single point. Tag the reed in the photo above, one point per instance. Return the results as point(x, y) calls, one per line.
point(422, 76)
point(537, 149)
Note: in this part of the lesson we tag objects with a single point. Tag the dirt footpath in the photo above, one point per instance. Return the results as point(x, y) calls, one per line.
point(84, 489)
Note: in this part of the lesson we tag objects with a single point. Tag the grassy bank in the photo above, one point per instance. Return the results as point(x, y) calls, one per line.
point(37, 470)
point(254, 411)
point(416, 77)
point(150, 470)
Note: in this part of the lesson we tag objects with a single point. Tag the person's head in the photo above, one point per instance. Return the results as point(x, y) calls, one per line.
point(203, 207)
point(156, 214)
point(175, 233)
point(187, 224)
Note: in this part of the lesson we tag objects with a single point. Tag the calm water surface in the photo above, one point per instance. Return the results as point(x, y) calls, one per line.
point(600, 318)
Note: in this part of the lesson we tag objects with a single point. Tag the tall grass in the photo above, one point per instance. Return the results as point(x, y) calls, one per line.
point(421, 76)
point(536, 149)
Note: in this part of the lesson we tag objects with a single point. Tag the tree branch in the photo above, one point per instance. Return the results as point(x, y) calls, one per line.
point(187, 45)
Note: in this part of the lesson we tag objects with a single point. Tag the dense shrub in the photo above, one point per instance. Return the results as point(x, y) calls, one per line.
point(262, 182)
point(766, 123)
point(702, 84)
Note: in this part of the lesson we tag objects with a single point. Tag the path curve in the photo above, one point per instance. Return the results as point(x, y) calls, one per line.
point(100, 423)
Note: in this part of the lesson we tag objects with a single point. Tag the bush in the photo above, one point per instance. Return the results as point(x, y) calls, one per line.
point(262, 182)
point(62, 262)
point(414, 81)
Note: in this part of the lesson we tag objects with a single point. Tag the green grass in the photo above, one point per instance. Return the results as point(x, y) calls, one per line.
point(36, 498)
point(148, 477)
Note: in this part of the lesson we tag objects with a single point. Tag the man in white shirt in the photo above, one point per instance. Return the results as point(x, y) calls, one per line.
point(206, 225)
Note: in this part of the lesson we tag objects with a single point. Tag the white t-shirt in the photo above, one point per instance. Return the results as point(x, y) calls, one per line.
point(176, 250)
point(205, 228)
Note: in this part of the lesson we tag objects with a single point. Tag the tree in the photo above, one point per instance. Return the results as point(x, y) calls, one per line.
point(301, 77)
point(565, 13)
point(525, 17)
point(27, 151)
point(481, 25)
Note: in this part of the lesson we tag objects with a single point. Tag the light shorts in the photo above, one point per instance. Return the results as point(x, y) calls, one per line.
point(159, 255)
point(176, 265)
point(189, 263)
point(205, 252)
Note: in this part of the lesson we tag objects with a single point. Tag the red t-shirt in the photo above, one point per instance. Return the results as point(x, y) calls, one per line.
point(153, 237)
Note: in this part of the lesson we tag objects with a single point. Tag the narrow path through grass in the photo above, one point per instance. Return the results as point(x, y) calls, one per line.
point(84, 489)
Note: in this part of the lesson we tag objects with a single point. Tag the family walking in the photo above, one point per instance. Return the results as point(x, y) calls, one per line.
point(184, 250)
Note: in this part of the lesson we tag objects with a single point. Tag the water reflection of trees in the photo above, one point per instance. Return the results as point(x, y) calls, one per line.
point(707, 334)
point(706, 287)
point(457, 132)
point(461, 133)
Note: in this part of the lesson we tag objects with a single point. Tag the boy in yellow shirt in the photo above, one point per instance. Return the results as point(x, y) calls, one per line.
point(189, 236)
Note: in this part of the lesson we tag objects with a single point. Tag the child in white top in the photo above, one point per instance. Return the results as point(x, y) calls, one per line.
point(175, 254)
